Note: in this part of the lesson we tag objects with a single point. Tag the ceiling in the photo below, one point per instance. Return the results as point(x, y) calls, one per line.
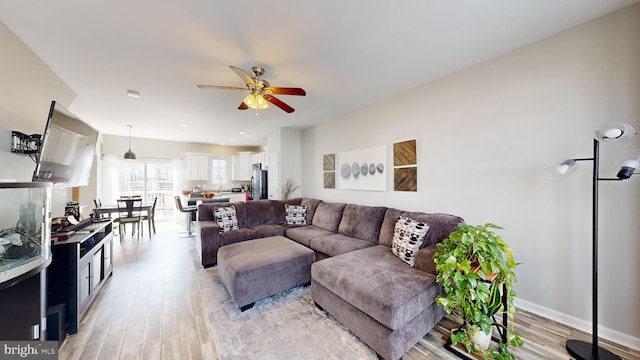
point(345, 54)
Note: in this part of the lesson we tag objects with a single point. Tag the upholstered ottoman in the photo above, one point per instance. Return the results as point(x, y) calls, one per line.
point(255, 269)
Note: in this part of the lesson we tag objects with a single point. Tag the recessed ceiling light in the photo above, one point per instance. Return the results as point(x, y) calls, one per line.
point(133, 93)
point(184, 125)
point(232, 140)
point(242, 133)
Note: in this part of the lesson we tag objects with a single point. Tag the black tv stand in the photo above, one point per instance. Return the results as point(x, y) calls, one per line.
point(80, 266)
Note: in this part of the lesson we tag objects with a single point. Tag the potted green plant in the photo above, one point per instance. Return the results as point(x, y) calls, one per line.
point(474, 266)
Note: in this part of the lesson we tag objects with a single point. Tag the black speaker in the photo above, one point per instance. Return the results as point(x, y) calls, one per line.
point(57, 323)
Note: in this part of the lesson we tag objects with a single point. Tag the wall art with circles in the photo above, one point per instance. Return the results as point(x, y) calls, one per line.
point(363, 169)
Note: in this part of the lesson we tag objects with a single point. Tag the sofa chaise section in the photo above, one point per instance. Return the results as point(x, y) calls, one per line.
point(386, 302)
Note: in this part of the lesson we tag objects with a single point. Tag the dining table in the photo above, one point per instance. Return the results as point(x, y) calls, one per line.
point(113, 208)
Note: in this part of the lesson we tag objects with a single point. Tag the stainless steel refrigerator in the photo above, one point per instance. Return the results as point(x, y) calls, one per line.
point(258, 183)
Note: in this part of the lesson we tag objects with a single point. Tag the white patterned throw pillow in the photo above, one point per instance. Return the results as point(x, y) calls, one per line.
point(226, 218)
point(408, 235)
point(296, 214)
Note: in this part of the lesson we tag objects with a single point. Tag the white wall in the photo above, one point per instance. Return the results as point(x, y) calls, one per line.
point(483, 137)
point(286, 143)
point(27, 86)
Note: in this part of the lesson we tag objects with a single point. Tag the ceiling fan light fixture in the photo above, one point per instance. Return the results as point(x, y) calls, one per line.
point(256, 101)
point(261, 93)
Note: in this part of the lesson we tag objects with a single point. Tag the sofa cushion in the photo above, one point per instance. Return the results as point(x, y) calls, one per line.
point(304, 234)
point(205, 211)
point(440, 225)
point(226, 218)
point(407, 238)
point(311, 205)
point(295, 214)
point(391, 292)
point(232, 237)
point(269, 230)
point(337, 244)
point(260, 212)
point(328, 215)
point(362, 222)
point(278, 208)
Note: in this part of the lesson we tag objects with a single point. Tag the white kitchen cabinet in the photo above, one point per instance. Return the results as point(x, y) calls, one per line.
point(258, 158)
point(241, 166)
point(197, 167)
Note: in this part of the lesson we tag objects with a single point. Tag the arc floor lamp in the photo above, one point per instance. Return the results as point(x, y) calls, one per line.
point(608, 132)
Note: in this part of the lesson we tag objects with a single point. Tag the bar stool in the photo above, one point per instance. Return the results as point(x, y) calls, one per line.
point(189, 210)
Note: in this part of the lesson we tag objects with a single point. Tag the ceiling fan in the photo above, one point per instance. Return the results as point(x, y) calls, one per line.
point(260, 91)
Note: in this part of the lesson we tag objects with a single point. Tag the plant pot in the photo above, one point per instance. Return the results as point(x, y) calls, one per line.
point(481, 339)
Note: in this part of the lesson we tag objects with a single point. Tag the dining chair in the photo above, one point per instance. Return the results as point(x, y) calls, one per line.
point(129, 213)
point(98, 205)
point(189, 210)
point(150, 217)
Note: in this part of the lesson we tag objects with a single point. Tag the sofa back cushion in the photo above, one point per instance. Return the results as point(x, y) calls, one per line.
point(327, 215)
point(205, 212)
point(440, 225)
point(260, 212)
point(362, 222)
point(278, 208)
point(311, 204)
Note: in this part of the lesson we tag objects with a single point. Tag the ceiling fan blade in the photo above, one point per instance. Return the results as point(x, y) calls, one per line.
point(222, 87)
point(277, 102)
point(243, 74)
point(243, 106)
point(285, 91)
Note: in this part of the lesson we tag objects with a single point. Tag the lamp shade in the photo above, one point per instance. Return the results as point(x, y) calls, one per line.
point(615, 132)
point(627, 169)
point(256, 101)
point(129, 155)
point(561, 171)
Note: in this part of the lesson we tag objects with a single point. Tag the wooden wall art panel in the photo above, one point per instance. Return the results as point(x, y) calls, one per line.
point(405, 179)
point(404, 153)
point(330, 180)
point(329, 162)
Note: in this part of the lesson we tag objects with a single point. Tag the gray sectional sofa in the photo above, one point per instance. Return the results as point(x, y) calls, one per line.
point(384, 301)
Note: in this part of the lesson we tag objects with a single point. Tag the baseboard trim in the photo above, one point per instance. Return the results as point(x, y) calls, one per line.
point(580, 324)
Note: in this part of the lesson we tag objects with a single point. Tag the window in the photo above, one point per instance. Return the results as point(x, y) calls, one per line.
point(219, 172)
point(149, 179)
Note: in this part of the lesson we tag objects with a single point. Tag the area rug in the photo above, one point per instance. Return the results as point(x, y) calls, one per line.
point(284, 326)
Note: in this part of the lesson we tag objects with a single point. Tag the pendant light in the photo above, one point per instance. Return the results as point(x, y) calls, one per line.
point(129, 155)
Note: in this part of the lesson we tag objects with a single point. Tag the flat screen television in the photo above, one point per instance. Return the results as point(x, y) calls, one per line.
point(68, 149)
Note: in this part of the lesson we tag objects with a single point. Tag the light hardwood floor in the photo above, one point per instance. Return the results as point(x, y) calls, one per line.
point(151, 309)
